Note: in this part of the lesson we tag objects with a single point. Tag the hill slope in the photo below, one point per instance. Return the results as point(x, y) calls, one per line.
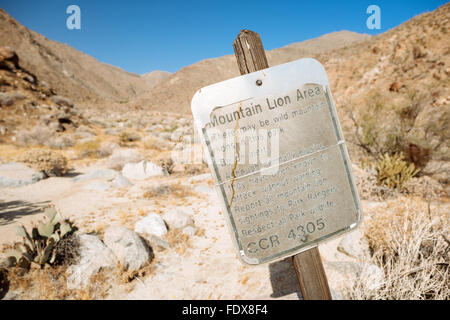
point(70, 72)
point(176, 92)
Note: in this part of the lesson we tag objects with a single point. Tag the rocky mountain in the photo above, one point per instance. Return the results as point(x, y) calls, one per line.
point(68, 71)
point(26, 102)
point(393, 94)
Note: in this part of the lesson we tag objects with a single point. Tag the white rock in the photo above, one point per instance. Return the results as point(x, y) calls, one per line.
point(152, 224)
point(16, 174)
point(142, 170)
point(94, 255)
point(177, 218)
point(121, 182)
point(129, 248)
point(354, 245)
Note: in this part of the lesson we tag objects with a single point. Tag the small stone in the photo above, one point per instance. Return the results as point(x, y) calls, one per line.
point(354, 245)
point(121, 182)
point(152, 224)
point(177, 218)
point(129, 248)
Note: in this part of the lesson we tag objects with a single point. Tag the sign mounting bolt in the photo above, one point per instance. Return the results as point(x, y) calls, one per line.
point(258, 82)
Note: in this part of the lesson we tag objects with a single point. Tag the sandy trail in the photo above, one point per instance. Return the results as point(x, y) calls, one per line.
point(208, 269)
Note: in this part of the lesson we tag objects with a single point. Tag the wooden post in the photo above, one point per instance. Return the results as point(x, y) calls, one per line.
point(250, 56)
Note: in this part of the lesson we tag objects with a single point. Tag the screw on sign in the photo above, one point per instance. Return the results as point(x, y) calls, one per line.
point(279, 161)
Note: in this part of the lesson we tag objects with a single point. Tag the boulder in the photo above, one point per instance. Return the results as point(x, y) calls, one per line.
point(354, 245)
point(121, 182)
point(152, 224)
point(142, 170)
point(16, 175)
point(129, 248)
point(177, 218)
point(94, 255)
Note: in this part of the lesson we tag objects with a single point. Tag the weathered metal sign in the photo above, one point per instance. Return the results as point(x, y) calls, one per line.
point(279, 159)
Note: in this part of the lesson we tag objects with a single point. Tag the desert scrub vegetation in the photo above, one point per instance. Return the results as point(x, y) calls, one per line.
point(393, 171)
point(385, 122)
point(41, 247)
point(52, 163)
point(126, 137)
point(51, 284)
point(165, 191)
point(408, 240)
point(93, 149)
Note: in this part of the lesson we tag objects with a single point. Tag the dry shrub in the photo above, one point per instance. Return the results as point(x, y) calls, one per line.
point(126, 137)
point(164, 160)
point(50, 162)
point(67, 251)
point(408, 240)
point(51, 284)
point(393, 171)
point(126, 276)
point(93, 149)
point(178, 240)
point(166, 190)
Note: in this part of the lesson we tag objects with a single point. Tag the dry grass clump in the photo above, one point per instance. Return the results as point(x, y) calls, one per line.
point(127, 276)
point(178, 240)
point(126, 137)
point(167, 190)
point(413, 126)
point(51, 284)
point(50, 162)
point(408, 240)
point(393, 171)
point(93, 149)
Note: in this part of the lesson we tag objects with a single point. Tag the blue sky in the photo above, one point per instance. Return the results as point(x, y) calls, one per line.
point(141, 36)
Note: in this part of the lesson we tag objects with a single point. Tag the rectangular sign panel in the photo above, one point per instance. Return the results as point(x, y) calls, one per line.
point(279, 160)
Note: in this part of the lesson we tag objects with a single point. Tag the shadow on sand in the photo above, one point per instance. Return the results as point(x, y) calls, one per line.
point(12, 210)
point(284, 279)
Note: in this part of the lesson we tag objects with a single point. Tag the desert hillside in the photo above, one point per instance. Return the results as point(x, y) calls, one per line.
point(70, 72)
point(155, 77)
point(175, 93)
point(105, 194)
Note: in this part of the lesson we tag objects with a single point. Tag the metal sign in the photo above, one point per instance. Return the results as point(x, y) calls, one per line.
point(278, 158)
